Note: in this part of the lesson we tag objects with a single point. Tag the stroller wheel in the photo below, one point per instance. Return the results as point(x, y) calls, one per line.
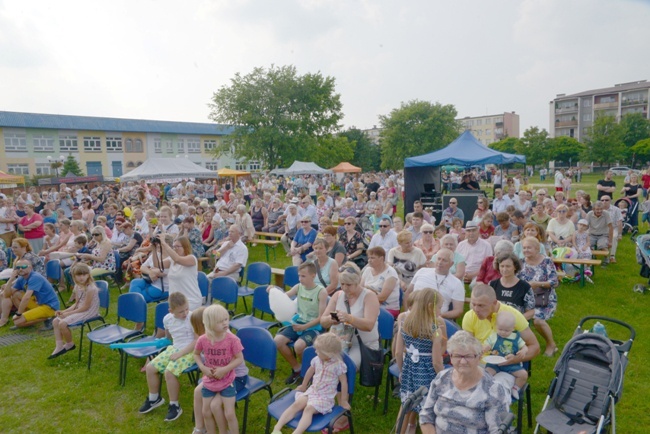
point(640, 288)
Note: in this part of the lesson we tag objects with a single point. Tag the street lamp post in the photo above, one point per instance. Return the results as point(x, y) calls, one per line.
point(55, 163)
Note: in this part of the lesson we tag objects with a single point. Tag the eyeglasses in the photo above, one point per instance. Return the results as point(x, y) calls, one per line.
point(453, 203)
point(427, 232)
point(21, 267)
point(384, 226)
point(605, 200)
point(467, 357)
point(96, 235)
point(347, 270)
point(348, 223)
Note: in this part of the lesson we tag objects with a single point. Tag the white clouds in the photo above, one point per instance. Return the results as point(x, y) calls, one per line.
point(164, 59)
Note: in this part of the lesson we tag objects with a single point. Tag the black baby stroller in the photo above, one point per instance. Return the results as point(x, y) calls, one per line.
point(588, 382)
point(632, 209)
point(643, 258)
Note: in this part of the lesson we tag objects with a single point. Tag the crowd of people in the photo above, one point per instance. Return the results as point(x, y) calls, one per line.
point(355, 256)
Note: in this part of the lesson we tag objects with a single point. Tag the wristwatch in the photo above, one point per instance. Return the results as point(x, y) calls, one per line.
point(19, 314)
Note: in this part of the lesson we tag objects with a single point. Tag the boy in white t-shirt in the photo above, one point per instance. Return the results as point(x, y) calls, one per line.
point(175, 359)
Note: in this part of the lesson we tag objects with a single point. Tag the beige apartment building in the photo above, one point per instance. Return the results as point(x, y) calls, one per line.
point(572, 115)
point(492, 128)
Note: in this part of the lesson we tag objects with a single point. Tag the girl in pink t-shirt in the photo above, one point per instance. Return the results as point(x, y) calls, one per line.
point(222, 352)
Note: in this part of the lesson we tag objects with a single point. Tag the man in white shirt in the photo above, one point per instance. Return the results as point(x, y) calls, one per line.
point(440, 279)
point(558, 180)
point(474, 249)
point(500, 203)
point(7, 221)
point(141, 224)
point(233, 256)
point(385, 238)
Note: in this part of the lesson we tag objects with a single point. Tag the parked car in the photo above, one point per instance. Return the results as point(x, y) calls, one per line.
point(622, 170)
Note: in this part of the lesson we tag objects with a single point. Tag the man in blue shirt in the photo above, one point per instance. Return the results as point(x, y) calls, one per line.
point(31, 294)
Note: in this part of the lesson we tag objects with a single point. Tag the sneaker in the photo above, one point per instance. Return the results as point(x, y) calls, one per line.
point(515, 393)
point(174, 412)
point(293, 378)
point(150, 405)
point(47, 325)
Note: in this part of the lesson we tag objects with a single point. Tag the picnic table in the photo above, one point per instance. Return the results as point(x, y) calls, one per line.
point(580, 263)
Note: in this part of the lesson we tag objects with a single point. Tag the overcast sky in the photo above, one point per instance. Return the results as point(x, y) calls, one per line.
point(164, 59)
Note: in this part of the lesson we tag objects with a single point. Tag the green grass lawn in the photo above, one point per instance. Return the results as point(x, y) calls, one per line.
point(60, 395)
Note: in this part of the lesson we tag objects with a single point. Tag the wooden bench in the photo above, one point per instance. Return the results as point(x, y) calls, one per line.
point(580, 263)
point(278, 277)
point(202, 262)
point(600, 253)
point(268, 234)
point(266, 244)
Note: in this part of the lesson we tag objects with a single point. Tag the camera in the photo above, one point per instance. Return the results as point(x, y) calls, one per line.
point(155, 239)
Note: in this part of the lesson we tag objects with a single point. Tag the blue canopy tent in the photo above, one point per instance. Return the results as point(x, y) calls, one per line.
point(464, 151)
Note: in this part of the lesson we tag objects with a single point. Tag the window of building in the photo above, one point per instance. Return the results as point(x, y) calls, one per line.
point(169, 147)
point(193, 146)
point(18, 169)
point(209, 145)
point(113, 144)
point(479, 122)
point(586, 117)
point(181, 146)
point(130, 165)
point(212, 165)
point(44, 169)
point(157, 146)
point(240, 165)
point(68, 144)
point(254, 165)
point(15, 142)
point(92, 144)
point(488, 132)
point(128, 145)
point(586, 102)
point(137, 145)
point(43, 143)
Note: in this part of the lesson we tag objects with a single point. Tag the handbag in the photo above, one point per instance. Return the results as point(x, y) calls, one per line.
point(541, 297)
point(372, 361)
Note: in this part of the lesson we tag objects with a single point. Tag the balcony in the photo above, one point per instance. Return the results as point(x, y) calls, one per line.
point(606, 105)
point(567, 109)
point(571, 123)
point(633, 102)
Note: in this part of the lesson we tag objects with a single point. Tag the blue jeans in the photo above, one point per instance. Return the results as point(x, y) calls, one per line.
point(148, 291)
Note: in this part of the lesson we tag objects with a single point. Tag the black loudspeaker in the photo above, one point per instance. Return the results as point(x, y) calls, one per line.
point(429, 188)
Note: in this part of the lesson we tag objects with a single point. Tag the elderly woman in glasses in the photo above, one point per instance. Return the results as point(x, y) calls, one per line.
point(354, 309)
point(464, 398)
point(560, 229)
point(302, 242)
point(427, 243)
point(101, 259)
point(352, 240)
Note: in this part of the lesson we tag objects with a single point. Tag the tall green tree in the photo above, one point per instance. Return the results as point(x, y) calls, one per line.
point(565, 149)
point(367, 155)
point(417, 127)
point(332, 150)
point(533, 145)
point(510, 145)
point(71, 165)
point(278, 116)
point(641, 151)
point(635, 128)
point(604, 142)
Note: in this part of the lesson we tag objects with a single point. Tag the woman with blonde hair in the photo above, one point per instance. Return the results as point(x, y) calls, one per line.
point(419, 347)
point(101, 259)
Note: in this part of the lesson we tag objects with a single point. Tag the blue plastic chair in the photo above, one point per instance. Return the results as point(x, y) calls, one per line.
point(104, 303)
point(204, 286)
point(260, 303)
point(130, 306)
point(258, 273)
point(385, 324)
point(162, 309)
point(53, 274)
point(261, 352)
point(282, 400)
point(291, 277)
point(224, 289)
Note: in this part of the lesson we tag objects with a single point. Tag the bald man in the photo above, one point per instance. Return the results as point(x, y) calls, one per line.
point(481, 320)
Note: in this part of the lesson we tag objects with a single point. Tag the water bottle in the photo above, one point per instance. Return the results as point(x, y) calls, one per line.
point(598, 328)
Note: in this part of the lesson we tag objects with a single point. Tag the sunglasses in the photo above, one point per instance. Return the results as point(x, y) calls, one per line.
point(21, 267)
point(96, 235)
point(384, 226)
point(427, 232)
point(347, 270)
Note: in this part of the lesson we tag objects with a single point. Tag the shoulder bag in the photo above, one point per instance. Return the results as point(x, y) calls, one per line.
point(372, 361)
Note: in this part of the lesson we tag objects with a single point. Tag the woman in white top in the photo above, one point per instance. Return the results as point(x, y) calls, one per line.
point(183, 273)
point(560, 229)
point(327, 268)
point(382, 279)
